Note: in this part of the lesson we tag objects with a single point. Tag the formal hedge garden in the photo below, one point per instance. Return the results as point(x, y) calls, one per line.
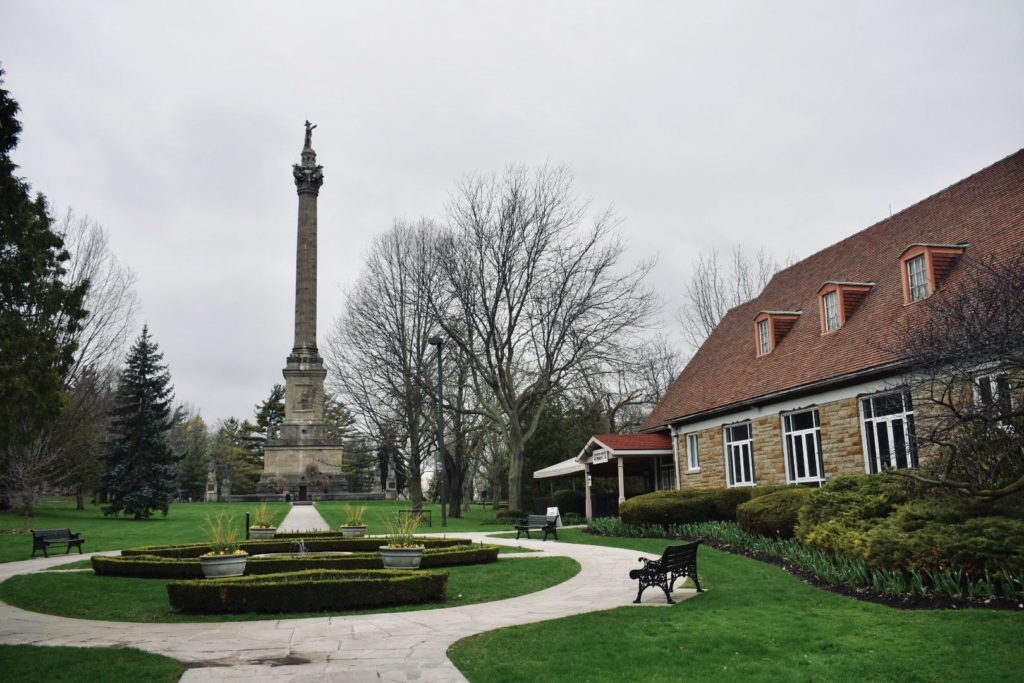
point(169, 567)
point(308, 591)
point(323, 542)
point(869, 535)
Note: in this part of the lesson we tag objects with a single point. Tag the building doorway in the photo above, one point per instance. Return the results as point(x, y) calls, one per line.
point(302, 493)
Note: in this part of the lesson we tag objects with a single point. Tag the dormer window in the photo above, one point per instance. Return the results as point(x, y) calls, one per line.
point(770, 327)
point(764, 337)
point(924, 266)
point(838, 302)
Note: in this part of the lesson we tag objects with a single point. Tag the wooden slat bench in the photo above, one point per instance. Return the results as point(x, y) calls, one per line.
point(43, 538)
point(676, 562)
point(538, 523)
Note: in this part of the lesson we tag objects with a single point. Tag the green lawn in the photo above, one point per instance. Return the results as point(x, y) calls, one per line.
point(185, 524)
point(756, 622)
point(380, 510)
point(87, 596)
point(32, 663)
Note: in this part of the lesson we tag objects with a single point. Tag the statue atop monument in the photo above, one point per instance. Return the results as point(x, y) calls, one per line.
point(309, 134)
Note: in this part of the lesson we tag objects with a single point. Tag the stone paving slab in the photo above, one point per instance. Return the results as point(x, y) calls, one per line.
point(402, 646)
point(303, 518)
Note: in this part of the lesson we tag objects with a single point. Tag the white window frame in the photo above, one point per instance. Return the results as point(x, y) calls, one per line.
point(666, 483)
point(811, 456)
point(764, 336)
point(742, 450)
point(873, 460)
point(830, 303)
point(917, 277)
point(693, 452)
point(996, 394)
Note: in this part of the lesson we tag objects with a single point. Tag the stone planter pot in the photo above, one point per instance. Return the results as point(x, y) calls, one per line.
point(401, 558)
point(256, 533)
point(353, 531)
point(219, 566)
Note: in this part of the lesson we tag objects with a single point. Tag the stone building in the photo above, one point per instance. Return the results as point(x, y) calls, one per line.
point(804, 382)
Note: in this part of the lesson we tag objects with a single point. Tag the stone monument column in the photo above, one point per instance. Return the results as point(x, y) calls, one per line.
point(302, 443)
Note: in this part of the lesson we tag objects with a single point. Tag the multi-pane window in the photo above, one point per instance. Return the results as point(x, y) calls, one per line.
point(692, 452)
point(764, 336)
point(888, 423)
point(917, 276)
point(739, 455)
point(667, 477)
point(802, 435)
point(831, 301)
point(992, 393)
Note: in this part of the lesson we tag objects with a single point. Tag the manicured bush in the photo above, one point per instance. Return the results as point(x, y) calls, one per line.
point(568, 500)
point(509, 516)
point(313, 544)
point(308, 591)
point(774, 514)
point(153, 567)
point(683, 507)
point(147, 567)
point(571, 519)
point(838, 516)
point(765, 489)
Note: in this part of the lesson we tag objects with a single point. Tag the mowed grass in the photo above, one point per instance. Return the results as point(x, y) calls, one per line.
point(87, 596)
point(757, 623)
point(32, 663)
point(185, 523)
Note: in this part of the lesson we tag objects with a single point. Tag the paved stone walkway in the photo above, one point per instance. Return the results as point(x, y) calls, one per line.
point(303, 518)
point(404, 646)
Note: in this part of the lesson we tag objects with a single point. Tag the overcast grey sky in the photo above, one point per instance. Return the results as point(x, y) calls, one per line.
point(705, 124)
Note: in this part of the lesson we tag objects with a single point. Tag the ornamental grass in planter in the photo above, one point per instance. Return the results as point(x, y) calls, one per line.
point(354, 526)
point(224, 558)
point(403, 550)
point(262, 523)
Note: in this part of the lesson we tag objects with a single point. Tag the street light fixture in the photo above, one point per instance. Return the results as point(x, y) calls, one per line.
point(439, 343)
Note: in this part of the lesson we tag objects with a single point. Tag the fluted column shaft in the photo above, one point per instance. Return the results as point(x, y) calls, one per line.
point(305, 275)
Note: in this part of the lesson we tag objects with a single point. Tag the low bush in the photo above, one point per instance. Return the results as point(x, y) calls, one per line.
point(153, 567)
point(569, 500)
point(765, 489)
point(308, 591)
point(509, 516)
point(839, 515)
point(572, 518)
point(774, 514)
point(683, 507)
point(334, 542)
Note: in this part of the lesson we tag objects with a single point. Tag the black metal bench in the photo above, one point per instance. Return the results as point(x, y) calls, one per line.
point(425, 515)
point(44, 538)
point(538, 523)
point(676, 562)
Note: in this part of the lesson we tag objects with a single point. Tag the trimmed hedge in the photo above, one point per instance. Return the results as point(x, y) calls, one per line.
point(683, 507)
point(309, 591)
point(510, 516)
point(568, 500)
point(153, 567)
point(313, 544)
point(774, 514)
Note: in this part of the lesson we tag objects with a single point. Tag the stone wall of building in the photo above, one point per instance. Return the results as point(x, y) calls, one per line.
point(841, 442)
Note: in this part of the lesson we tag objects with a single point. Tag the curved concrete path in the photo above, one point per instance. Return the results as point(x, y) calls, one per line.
point(403, 646)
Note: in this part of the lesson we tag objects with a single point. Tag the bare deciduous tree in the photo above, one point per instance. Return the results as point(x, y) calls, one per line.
point(531, 296)
point(966, 359)
point(718, 285)
point(378, 352)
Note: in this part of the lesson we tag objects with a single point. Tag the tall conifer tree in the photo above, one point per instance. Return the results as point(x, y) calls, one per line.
point(139, 459)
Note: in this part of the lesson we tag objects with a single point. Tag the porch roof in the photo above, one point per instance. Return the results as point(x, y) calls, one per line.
point(566, 467)
point(659, 443)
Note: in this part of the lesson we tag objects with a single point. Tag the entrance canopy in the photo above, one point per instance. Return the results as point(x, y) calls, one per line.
point(649, 455)
point(562, 469)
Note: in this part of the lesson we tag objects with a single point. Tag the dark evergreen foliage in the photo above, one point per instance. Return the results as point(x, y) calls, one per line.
point(37, 310)
point(139, 458)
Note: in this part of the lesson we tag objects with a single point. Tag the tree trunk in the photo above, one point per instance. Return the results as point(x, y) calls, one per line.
point(79, 500)
point(515, 469)
point(467, 493)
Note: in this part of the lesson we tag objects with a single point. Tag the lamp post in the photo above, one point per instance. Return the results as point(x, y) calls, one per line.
point(438, 342)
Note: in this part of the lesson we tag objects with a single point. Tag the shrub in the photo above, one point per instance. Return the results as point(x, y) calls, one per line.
point(314, 543)
point(509, 516)
point(838, 516)
point(308, 591)
point(765, 489)
point(774, 514)
point(568, 500)
point(683, 507)
point(147, 567)
point(572, 518)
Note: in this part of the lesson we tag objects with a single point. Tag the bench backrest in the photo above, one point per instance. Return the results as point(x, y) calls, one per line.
point(539, 520)
point(679, 556)
point(51, 533)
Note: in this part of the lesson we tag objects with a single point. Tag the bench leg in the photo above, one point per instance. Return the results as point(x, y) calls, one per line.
point(79, 546)
point(638, 594)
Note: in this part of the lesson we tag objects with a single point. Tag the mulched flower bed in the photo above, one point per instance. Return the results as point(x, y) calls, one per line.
point(908, 602)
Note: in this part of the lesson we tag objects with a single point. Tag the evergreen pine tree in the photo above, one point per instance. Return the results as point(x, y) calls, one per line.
point(139, 459)
point(37, 310)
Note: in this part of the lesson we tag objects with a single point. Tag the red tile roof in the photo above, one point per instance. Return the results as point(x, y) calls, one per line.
point(985, 211)
point(635, 442)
